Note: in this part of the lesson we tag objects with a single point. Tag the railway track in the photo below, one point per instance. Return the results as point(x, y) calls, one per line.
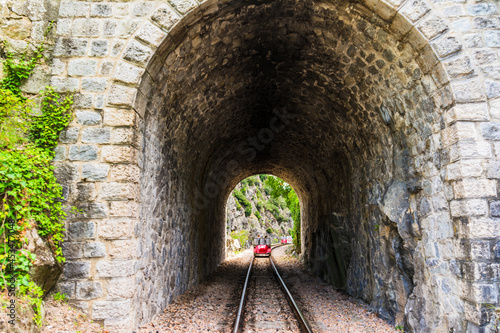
point(266, 304)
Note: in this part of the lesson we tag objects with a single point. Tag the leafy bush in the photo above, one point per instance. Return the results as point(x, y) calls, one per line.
point(259, 205)
point(257, 214)
point(269, 230)
point(242, 199)
point(241, 236)
point(279, 188)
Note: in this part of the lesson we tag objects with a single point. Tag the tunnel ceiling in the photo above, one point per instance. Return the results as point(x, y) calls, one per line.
point(322, 63)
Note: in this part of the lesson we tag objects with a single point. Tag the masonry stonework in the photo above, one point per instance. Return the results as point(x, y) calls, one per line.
point(384, 115)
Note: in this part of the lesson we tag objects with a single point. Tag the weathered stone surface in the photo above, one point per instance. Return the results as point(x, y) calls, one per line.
point(125, 172)
point(123, 249)
point(118, 154)
point(68, 47)
point(128, 73)
point(99, 48)
point(118, 117)
point(138, 53)
point(87, 290)
point(45, 270)
point(121, 288)
point(110, 309)
point(88, 117)
point(165, 17)
point(121, 95)
point(76, 270)
point(94, 250)
point(79, 67)
point(82, 153)
point(115, 268)
point(81, 230)
point(95, 172)
point(96, 135)
point(94, 84)
point(115, 229)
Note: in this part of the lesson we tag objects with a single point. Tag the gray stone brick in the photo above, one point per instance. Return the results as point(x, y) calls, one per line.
point(432, 27)
point(115, 268)
point(88, 117)
point(459, 67)
point(482, 9)
point(100, 101)
point(495, 208)
point(72, 250)
point(117, 48)
point(128, 73)
point(101, 10)
point(99, 48)
point(82, 67)
point(87, 290)
point(473, 40)
point(446, 46)
point(85, 28)
point(66, 173)
point(95, 172)
point(183, 6)
point(85, 192)
point(121, 9)
point(486, 23)
point(64, 84)
point(68, 47)
point(67, 288)
point(81, 230)
point(74, 9)
point(138, 53)
point(69, 135)
point(151, 34)
point(92, 210)
point(415, 9)
point(142, 8)
point(121, 95)
point(96, 135)
point(60, 153)
point(94, 250)
point(492, 38)
point(83, 101)
point(109, 28)
point(110, 309)
point(94, 84)
point(125, 29)
point(165, 17)
point(83, 153)
point(492, 88)
point(76, 270)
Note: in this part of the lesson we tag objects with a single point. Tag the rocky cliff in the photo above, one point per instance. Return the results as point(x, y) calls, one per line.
point(251, 211)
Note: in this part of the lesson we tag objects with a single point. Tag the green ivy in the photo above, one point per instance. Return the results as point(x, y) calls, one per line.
point(17, 71)
point(30, 196)
point(56, 115)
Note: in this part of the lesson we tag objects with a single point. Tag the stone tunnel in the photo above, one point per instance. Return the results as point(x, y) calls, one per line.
point(381, 116)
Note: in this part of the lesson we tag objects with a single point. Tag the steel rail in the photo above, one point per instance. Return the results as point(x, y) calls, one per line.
point(302, 320)
point(239, 316)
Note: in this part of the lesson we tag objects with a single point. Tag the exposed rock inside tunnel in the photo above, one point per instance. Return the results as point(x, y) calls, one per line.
point(322, 96)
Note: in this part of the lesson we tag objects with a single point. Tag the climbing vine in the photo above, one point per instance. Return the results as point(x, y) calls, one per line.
point(30, 196)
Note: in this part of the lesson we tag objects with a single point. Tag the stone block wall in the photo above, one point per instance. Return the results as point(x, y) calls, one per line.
point(383, 115)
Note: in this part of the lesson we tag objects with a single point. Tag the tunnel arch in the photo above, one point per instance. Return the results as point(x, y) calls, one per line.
point(395, 151)
point(363, 123)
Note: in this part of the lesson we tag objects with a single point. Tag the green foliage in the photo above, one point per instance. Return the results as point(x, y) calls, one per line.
point(269, 230)
point(56, 115)
point(30, 197)
point(17, 71)
point(15, 115)
point(241, 236)
point(263, 178)
point(59, 297)
point(242, 199)
point(400, 328)
point(259, 195)
point(279, 188)
point(257, 214)
point(259, 205)
point(250, 181)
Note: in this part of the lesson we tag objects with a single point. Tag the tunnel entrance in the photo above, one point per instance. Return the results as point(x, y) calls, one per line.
point(319, 94)
point(262, 206)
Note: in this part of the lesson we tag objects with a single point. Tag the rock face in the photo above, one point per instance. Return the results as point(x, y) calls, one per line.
point(382, 115)
point(45, 270)
point(261, 219)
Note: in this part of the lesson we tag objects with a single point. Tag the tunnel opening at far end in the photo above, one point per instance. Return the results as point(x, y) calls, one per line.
point(320, 95)
point(262, 206)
